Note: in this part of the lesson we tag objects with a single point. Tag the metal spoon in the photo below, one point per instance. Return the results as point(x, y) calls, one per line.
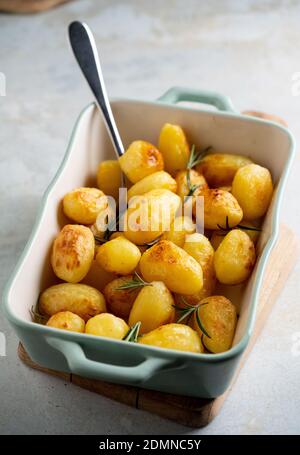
point(85, 51)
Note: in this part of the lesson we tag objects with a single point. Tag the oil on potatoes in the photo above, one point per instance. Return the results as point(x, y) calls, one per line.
point(155, 283)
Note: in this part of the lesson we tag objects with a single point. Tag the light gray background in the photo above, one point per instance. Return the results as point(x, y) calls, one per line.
point(246, 49)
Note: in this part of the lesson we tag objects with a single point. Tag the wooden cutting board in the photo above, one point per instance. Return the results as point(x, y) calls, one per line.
point(194, 412)
point(28, 6)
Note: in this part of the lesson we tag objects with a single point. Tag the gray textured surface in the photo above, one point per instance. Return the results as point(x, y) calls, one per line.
point(248, 50)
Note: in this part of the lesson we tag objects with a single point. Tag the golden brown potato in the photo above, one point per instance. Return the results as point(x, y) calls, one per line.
point(220, 168)
point(253, 188)
point(107, 325)
point(80, 299)
point(166, 262)
point(174, 336)
point(158, 180)
point(73, 253)
point(109, 178)
point(199, 247)
point(140, 160)
point(97, 277)
point(118, 256)
point(120, 301)
point(181, 226)
point(66, 320)
point(234, 258)
point(195, 179)
point(219, 205)
point(83, 205)
point(174, 147)
point(218, 318)
point(150, 215)
point(153, 307)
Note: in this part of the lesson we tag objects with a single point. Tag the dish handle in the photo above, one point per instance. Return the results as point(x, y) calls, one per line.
point(79, 364)
point(177, 94)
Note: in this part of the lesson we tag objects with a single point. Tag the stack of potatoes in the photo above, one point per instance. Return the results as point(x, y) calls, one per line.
point(155, 280)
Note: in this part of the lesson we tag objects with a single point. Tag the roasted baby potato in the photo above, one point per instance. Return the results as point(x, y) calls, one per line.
point(196, 179)
point(234, 258)
point(153, 307)
point(73, 253)
point(80, 299)
point(166, 262)
point(83, 205)
point(107, 325)
point(219, 169)
point(199, 247)
point(140, 160)
point(118, 256)
point(158, 180)
point(181, 226)
point(67, 321)
point(253, 188)
point(218, 317)
point(218, 236)
point(109, 178)
point(120, 301)
point(174, 147)
point(174, 336)
point(97, 277)
point(149, 215)
point(220, 205)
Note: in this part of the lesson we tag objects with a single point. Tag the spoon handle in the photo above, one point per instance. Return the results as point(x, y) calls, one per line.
point(85, 51)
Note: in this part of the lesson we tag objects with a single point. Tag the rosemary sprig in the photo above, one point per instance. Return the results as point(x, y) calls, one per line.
point(191, 187)
point(196, 157)
point(136, 282)
point(133, 333)
point(227, 228)
point(188, 311)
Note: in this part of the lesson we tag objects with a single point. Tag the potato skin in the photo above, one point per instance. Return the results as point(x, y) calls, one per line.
point(97, 277)
point(218, 317)
point(119, 302)
point(140, 160)
point(80, 299)
point(174, 147)
point(181, 226)
point(200, 248)
point(174, 336)
point(195, 179)
point(66, 320)
point(118, 256)
point(73, 253)
point(234, 258)
point(149, 215)
point(166, 262)
point(219, 204)
point(109, 178)
point(153, 307)
point(107, 325)
point(253, 188)
point(158, 180)
point(219, 168)
point(83, 205)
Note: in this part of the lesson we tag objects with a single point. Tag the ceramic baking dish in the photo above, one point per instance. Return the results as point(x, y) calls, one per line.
point(201, 375)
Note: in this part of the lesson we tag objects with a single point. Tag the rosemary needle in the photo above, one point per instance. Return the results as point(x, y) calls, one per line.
point(188, 311)
point(133, 333)
point(136, 282)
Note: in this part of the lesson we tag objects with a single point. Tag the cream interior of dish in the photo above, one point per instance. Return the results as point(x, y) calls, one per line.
point(265, 144)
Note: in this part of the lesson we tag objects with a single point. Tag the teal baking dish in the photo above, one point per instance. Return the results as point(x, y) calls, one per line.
point(200, 375)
